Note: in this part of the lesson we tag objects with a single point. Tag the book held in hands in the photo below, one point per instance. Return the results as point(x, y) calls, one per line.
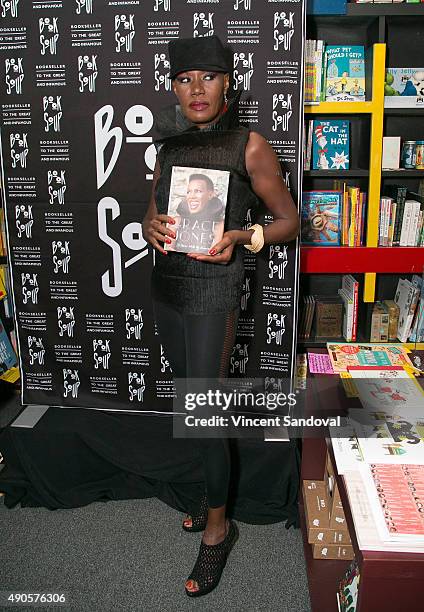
point(197, 202)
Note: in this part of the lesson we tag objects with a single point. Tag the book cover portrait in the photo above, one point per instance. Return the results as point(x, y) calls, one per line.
point(197, 202)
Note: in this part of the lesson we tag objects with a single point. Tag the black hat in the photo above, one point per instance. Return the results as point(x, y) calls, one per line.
point(201, 53)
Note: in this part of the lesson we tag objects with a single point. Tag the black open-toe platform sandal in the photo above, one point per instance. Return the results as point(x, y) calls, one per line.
point(199, 520)
point(210, 563)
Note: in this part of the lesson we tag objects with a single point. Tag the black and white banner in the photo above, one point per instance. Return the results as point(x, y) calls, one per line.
point(81, 81)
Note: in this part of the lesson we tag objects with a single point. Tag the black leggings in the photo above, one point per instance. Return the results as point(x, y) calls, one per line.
point(199, 346)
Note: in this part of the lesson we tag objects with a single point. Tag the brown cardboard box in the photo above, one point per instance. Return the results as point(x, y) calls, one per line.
point(328, 536)
point(332, 551)
point(317, 508)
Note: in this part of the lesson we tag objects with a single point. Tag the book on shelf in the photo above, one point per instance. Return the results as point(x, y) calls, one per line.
point(328, 316)
point(344, 79)
point(348, 588)
point(401, 217)
point(8, 357)
point(330, 144)
point(321, 217)
point(307, 317)
point(314, 50)
point(404, 88)
point(417, 328)
point(406, 298)
point(349, 294)
point(354, 205)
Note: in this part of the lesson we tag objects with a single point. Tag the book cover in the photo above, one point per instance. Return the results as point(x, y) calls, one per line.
point(197, 202)
point(329, 315)
point(7, 354)
point(406, 298)
point(404, 87)
point(321, 213)
point(345, 73)
point(331, 143)
point(344, 356)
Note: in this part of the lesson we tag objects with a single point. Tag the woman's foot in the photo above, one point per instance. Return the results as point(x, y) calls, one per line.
point(216, 544)
point(198, 521)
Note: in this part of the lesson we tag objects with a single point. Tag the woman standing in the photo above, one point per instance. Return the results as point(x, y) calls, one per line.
point(196, 296)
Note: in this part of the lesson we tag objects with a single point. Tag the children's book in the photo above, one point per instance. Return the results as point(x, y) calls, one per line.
point(404, 87)
point(345, 73)
point(7, 354)
point(321, 216)
point(344, 356)
point(330, 144)
point(197, 202)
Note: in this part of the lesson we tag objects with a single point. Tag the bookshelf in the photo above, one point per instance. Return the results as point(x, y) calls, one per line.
point(381, 28)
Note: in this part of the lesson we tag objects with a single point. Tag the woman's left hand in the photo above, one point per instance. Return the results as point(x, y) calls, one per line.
point(220, 252)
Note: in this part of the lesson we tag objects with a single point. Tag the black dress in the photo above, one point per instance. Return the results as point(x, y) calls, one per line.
point(185, 283)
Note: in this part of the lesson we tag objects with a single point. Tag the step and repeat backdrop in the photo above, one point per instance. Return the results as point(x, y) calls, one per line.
point(81, 82)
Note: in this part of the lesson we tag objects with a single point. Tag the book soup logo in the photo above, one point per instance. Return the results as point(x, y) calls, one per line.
point(281, 111)
point(136, 386)
point(61, 256)
point(203, 24)
point(124, 33)
point(242, 70)
point(84, 6)
point(164, 5)
point(29, 288)
point(56, 184)
point(19, 149)
point(87, 73)
point(36, 350)
point(164, 363)
point(283, 30)
point(49, 35)
point(275, 328)
point(278, 261)
point(66, 321)
point(71, 383)
point(14, 75)
point(133, 323)
point(239, 358)
point(161, 72)
point(24, 220)
point(101, 353)
point(9, 8)
point(52, 113)
point(243, 4)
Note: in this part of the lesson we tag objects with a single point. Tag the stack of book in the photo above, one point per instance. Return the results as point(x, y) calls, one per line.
point(334, 217)
point(306, 317)
point(349, 295)
point(334, 73)
point(331, 316)
point(410, 301)
point(401, 217)
point(379, 451)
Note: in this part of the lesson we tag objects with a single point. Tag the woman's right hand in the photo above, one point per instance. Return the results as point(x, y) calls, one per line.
point(156, 232)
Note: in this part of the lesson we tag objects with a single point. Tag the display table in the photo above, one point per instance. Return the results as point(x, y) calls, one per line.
point(388, 581)
point(73, 457)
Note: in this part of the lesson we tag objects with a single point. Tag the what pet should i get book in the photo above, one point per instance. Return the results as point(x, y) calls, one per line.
point(197, 202)
point(345, 73)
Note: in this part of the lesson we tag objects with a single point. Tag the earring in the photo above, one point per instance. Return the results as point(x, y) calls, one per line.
point(225, 97)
